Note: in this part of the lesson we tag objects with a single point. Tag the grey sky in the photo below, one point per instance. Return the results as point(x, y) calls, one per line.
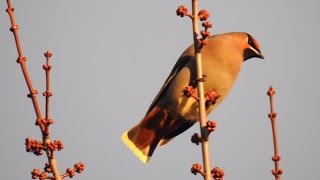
point(110, 58)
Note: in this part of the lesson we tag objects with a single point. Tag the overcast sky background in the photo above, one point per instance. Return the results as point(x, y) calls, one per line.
point(110, 59)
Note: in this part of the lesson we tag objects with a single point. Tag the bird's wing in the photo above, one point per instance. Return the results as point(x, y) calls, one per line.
point(176, 69)
point(181, 128)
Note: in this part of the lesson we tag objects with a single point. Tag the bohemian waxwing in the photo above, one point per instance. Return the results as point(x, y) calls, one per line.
point(172, 112)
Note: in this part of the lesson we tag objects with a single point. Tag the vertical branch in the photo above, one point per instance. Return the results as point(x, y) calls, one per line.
point(201, 102)
point(272, 115)
point(206, 127)
point(34, 146)
point(46, 138)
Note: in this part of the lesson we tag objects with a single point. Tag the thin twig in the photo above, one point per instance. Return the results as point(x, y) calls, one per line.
point(272, 115)
point(47, 67)
point(22, 60)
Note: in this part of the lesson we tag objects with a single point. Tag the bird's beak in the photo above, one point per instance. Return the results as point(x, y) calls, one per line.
point(258, 53)
point(251, 53)
point(261, 56)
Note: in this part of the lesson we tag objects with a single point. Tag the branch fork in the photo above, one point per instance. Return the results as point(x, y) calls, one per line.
point(210, 127)
point(210, 97)
point(202, 15)
point(35, 146)
point(42, 175)
point(216, 172)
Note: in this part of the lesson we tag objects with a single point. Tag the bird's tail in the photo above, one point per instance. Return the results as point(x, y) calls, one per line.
point(143, 138)
point(142, 154)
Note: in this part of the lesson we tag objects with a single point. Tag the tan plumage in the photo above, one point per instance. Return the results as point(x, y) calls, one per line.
point(171, 112)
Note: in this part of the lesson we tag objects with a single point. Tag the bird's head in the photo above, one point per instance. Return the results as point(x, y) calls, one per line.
point(251, 48)
point(236, 45)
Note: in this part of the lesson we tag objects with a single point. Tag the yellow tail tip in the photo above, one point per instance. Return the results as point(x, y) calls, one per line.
point(134, 148)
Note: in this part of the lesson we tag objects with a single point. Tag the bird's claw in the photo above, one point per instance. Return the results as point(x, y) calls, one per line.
point(202, 79)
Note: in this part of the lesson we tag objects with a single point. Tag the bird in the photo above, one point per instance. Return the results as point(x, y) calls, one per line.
point(172, 112)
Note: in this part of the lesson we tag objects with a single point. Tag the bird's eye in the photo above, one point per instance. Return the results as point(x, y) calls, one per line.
point(250, 42)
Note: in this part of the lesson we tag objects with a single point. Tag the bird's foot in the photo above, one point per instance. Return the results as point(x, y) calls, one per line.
point(202, 79)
